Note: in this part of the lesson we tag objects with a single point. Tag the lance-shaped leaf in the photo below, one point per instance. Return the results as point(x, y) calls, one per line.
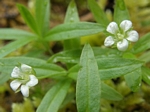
point(98, 13)
point(109, 93)
point(72, 56)
point(146, 75)
point(110, 68)
point(28, 18)
point(121, 13)
point(73, 30)
point(142, 44)
point(133, 79)
point(14, 46)
point(54, 97)
point(88, 88)
point(13, 34)
point(115, 67)
point(42, 14)
point(145, 57)
point(68, 56)
point(71, 17)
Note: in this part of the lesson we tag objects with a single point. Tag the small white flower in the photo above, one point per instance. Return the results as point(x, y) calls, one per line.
point(120, 35)
point(24, 79)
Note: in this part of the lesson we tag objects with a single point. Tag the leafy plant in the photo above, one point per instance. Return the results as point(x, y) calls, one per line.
point(88, 70)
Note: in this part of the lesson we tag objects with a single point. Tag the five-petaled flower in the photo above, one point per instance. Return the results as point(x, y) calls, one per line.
point(24, 79)
point(120, 35)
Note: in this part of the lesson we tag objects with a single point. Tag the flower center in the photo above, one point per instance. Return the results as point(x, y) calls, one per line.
point(120, 36)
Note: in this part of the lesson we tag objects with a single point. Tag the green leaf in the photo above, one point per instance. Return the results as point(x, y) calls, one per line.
point(71, 17)
point(110, 94)
point(146, 75)
point(115, 67)
point(12, 34)
point(42, 15)
point(68, 56)
point(14, 46)
point(72, 56)
point(121, 13)
point(73, 30)
point(133, 79)
point(72, 13)
point(98, 13)
point(142, 44)
point(88, 83)
point(4, 76)
point(54, 97)
point(41, 67)
point(28, 18)
point(72, 72)
point(110, 68)
point(145, 57)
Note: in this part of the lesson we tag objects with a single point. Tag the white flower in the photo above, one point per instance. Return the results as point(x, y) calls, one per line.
point(24, 79)
point(121, 35)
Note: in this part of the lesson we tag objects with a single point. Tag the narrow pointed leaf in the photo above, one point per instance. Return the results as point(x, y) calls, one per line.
point(72, 13)
point(14, 46)
point(110, 68)
point(13, 34)
point(54, 97)
point(28, 18)
point(145, 57)
point(133, 79)
point(98, 13)
point(115, 67)
point(73, 30)
point(71, 17)
point(109, 93)
point(142, 44)
point(88, 88)
point(121, 13)
point(146, 75)
point(42, 14)
point(72, 56)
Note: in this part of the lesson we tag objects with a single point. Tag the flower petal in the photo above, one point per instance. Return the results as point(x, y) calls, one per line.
point(25, 90)
point(112, 28)
point(133, 36)
point(125, 25)
point(26, 68)
point(122, 45)
point(109, 41)
point(16, 73)
point(33, 81)
point(15, 84)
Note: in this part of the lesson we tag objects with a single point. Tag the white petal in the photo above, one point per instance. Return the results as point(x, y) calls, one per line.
point(109, 41)
point(112, 28)
point(15, 73)
point(33, 81)
point(25, 90)
point(125, 25)
point(26, 68)
point(133, 36)
point(15, 84)
point(122, 45)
